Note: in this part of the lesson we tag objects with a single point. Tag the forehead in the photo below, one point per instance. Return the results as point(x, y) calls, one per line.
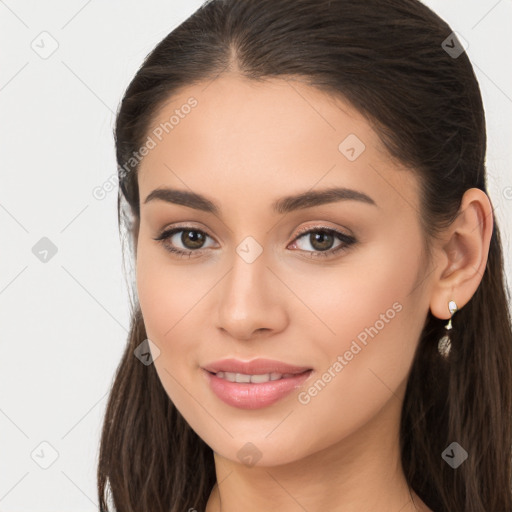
point(234, 136)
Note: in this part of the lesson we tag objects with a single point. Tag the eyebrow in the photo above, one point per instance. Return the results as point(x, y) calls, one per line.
point(283, 205)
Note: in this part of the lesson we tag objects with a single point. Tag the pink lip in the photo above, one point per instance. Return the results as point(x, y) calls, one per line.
point(248, 395)
point(254, 367)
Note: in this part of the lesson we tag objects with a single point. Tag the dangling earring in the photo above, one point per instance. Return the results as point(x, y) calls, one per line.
point(444, 345)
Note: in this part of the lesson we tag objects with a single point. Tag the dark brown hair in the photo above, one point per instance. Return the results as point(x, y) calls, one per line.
point(389, 61)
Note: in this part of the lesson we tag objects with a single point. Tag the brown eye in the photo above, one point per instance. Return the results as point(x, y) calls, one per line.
point(322, 240)
point(192, 239)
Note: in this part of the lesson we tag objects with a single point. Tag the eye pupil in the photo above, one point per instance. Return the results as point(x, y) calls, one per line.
point(195, 237)
point(321, 236)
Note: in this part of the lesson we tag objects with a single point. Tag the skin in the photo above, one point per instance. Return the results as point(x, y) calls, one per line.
point(245, 145)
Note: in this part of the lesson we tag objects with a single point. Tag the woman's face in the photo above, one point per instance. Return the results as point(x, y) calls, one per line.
point(337, 284)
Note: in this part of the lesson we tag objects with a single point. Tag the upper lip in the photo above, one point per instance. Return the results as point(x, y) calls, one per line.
point(253, 367)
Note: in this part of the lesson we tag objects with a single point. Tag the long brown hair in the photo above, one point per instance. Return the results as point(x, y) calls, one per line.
point(390, 60)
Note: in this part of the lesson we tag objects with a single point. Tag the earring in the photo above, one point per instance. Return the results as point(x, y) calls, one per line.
point(444, 345)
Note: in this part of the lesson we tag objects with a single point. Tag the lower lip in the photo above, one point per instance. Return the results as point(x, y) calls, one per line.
point(248, 395)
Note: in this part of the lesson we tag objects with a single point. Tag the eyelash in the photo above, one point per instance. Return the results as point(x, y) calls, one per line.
point(346, 239)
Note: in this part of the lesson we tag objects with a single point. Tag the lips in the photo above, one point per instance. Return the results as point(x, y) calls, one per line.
point(254, 367)
point(254, 384)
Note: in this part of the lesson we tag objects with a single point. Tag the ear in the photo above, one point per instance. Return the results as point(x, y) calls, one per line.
point(461, 256)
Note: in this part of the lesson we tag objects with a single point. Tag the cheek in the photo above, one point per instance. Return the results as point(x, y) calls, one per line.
point(165, 291)
point(363, 365)
point(368, 310)
point(165, 295)
point(173, 298)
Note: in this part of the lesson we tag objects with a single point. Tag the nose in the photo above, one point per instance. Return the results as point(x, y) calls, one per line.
point(251, 300)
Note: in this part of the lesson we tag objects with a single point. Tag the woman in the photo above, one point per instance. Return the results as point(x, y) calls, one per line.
point(321, 320)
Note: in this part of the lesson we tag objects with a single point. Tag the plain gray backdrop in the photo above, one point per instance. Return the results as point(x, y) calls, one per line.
point(64, 307)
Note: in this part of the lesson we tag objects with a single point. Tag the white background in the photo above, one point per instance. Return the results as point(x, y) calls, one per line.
point(64, 323)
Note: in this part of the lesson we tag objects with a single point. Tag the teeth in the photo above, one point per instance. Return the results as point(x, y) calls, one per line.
point(242, 377)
